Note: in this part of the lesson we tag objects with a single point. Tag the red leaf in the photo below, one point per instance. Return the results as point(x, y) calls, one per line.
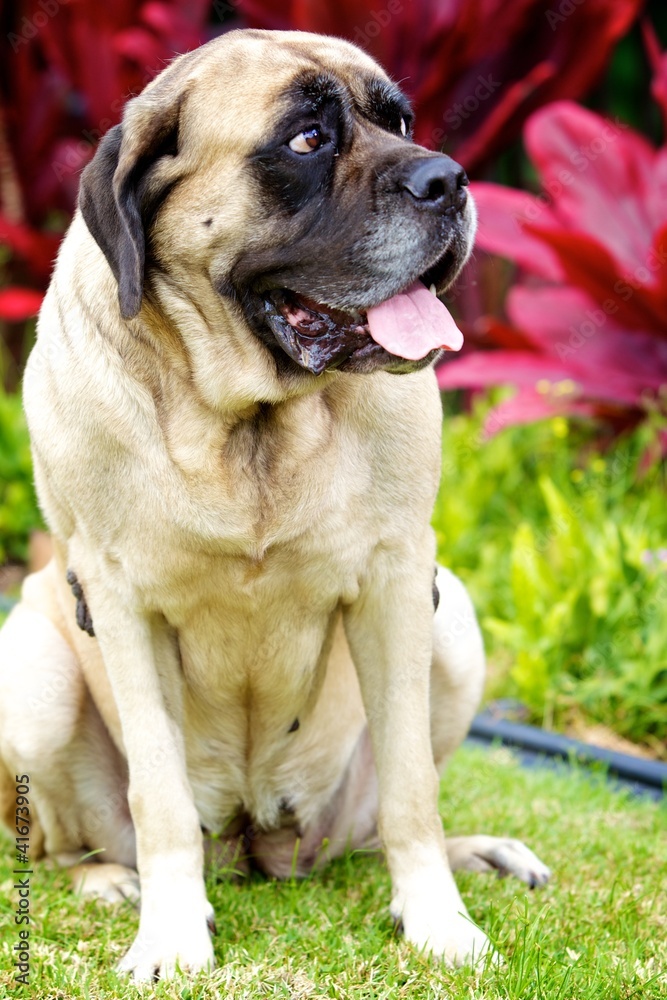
point(504, 227)
point(37, 249)
point(597, 174)
point(550, 317)
point(18, 304)
point(588, 265)
point(569, 377)
point(493, 367)
point(502, 334)
point(528, 405)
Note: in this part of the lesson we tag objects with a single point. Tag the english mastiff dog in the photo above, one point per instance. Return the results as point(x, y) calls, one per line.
point(237, 652)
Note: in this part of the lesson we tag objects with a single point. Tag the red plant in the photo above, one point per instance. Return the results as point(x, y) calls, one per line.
point(70, 68)
point(474, 68)
point(587, 328)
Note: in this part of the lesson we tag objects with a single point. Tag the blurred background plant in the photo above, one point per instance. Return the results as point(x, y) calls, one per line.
point(552, 505)
point(68, 68)
point(19, 515)
point(586, 328)
point(563, 548)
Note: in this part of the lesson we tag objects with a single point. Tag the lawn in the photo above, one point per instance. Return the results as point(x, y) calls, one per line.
point(599, 930)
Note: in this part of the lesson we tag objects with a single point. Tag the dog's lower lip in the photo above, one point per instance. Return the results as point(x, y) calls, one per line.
point(312, 319)
point(318, 336)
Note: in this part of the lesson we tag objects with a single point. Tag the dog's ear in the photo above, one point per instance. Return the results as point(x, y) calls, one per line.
point(121, 188)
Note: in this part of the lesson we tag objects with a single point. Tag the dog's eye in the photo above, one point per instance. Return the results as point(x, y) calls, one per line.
point(405, 125)
point(307, 141)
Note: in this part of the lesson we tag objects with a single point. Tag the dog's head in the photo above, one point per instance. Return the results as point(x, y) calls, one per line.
point(280, 165)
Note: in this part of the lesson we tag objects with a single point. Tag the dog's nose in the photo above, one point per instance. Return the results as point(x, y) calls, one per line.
point(436, 183)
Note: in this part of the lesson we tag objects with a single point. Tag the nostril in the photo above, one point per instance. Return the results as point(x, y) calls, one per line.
point(436, 190)
point(435, 183)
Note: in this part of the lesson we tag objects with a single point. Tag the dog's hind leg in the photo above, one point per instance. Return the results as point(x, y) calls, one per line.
point(459, 667)
point(457, 680)
point(51, 733)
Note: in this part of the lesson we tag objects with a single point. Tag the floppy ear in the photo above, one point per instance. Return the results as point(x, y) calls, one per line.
point(120, 189)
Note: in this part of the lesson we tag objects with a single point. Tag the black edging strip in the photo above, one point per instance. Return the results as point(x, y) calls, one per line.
point(649, 773)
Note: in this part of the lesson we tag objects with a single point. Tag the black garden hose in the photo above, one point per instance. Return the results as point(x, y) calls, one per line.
point(650, 774)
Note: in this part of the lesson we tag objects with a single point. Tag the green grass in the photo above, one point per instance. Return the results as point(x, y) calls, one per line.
point(599, 930)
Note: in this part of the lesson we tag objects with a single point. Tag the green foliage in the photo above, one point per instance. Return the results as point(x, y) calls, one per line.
point(19, 514)
point(565, 552)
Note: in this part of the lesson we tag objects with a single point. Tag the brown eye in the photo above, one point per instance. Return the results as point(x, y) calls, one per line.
point(306, 142)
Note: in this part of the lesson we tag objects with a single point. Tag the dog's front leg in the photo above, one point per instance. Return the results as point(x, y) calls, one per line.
point(389, 629)
point(141, 659)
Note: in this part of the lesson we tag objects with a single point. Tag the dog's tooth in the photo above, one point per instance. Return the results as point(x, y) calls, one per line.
point(432, 289)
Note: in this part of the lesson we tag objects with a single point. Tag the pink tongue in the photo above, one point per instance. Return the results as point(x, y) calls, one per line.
point(413, 323)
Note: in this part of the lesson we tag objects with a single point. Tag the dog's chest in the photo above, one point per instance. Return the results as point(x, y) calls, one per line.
point(254, 640)
point(272, 510)
point(266, 479)
point(252, 624)
point(252, 597)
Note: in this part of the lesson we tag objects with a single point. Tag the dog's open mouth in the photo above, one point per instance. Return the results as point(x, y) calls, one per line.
point(409, 326)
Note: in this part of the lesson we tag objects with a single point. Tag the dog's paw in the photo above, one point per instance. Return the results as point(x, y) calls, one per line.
point(176, 941)
point(435, 920)
point(500, 854)
point(455, 939)
point(109, 882)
